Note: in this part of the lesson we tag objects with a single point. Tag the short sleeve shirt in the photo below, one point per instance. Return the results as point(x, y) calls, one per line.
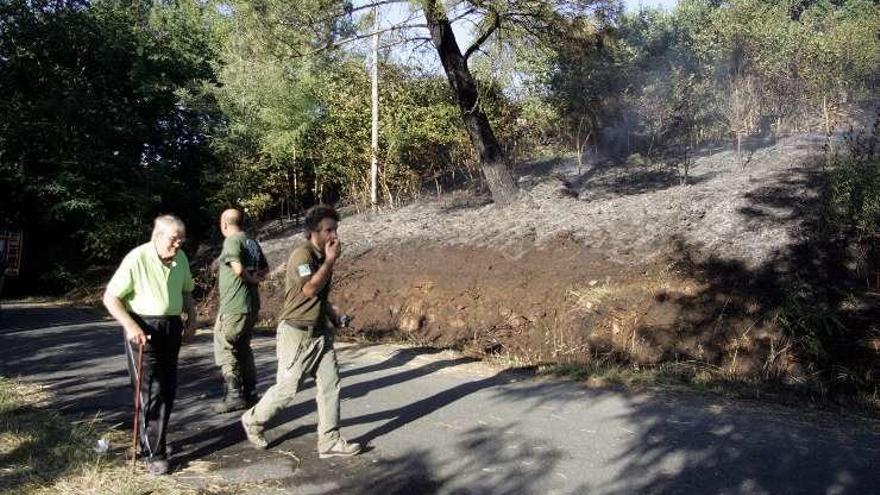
point(147, 286)
point(304, 261)
point(236, 295)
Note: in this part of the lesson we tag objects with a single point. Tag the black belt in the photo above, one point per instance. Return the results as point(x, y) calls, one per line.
point(158, 317)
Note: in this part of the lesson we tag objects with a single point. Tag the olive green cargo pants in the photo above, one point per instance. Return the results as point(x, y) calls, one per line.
point(232, 350)
point(301, 353)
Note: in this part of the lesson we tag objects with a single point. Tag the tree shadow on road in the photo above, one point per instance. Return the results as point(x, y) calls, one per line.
point(365, 387)
point(19, 318)
point(679, 442)
point(798, 322)
point(483, 460)
point(684, 448)
point(219, 432)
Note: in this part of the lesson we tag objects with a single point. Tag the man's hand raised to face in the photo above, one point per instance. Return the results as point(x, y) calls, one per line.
point(332, 250)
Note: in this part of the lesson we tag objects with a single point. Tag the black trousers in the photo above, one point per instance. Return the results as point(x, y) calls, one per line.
point(158, 378)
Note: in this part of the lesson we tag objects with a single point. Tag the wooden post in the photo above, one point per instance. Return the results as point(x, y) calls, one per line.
point(374, 147)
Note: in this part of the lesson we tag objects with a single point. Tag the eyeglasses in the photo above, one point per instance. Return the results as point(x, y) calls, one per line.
point(174, 240)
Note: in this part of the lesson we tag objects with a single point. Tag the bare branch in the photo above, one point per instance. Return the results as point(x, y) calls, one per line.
point(367, 35)
point(496, 23)
point(353, 10)
point(462, 15)
point(374, 4)
point(420, 40)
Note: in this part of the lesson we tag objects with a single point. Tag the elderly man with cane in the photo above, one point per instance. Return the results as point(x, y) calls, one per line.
point(147, 294)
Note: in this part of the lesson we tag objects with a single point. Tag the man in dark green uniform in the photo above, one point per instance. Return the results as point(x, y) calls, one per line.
point(241, 271)
point(305, 338)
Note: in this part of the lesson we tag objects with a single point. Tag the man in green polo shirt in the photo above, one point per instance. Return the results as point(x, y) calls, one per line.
point(305, 338)
point(147, 294)
point(242, 268)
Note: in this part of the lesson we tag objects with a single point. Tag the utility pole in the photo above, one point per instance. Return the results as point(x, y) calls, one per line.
point(374, 148)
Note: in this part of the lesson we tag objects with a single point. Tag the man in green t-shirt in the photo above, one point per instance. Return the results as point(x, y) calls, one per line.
point(147, 294)
point(305, 338)
point(242, 268)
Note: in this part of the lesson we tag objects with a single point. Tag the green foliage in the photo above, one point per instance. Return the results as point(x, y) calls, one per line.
point(739, 67)
point(855, 183)
point(805, 317)
point(420, 134)
point(93, 137)
point(116, 111)
point(298, 127)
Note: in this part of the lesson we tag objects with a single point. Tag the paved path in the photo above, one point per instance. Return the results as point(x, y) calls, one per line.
point(440, 423)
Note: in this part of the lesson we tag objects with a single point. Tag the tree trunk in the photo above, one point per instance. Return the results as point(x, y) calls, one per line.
point(498, 176)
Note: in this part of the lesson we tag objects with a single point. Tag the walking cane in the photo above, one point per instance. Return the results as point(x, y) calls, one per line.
point(137, 403)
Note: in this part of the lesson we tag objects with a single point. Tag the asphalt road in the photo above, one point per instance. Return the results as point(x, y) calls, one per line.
point(437, 422)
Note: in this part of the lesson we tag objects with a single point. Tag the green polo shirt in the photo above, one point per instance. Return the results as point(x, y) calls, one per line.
point(147, 286)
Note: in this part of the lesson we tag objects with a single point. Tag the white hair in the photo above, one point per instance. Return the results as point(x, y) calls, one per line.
point(167, 224)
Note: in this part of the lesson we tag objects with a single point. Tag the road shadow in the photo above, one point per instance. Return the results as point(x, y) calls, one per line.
point(802, 317)
point(678, 442)
point(481, 462)
point(23, 317)
point(220, 432)
point(802, 323)
point(363, 388)
point(753, 451)
point(400, 417)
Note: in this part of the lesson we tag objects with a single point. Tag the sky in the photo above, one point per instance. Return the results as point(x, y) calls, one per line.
point(394, 14)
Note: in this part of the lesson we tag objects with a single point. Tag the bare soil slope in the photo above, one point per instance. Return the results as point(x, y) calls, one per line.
point(622, 263)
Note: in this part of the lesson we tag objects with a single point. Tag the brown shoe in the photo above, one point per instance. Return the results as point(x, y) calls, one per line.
point(229, 404)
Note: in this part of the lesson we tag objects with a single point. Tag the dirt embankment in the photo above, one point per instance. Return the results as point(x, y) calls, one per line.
point(627, 264)
point(560, 304)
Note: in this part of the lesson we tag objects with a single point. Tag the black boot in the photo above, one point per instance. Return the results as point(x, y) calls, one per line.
point(232, 398)
point(251, 397)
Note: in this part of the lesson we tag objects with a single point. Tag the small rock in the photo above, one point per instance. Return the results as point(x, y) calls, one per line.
point(103, 446)
point(518, 322)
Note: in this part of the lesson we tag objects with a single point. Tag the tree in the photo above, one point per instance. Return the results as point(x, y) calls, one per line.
point(527, 19)
point(531, 22)
point(94, 137)
point(296, 104)
point(498, 176)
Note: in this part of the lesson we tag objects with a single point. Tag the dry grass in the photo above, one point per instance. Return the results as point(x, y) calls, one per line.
point(587, 299)
point(43, 452)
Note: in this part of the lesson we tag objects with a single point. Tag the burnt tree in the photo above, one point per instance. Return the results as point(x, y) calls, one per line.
point(467, 97)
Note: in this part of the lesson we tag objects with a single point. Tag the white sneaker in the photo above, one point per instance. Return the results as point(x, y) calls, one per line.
point(341, 448)
point(254, 436)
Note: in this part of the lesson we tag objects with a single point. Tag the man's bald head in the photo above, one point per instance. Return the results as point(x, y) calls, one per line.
point(231, 216)
point(230, 221)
